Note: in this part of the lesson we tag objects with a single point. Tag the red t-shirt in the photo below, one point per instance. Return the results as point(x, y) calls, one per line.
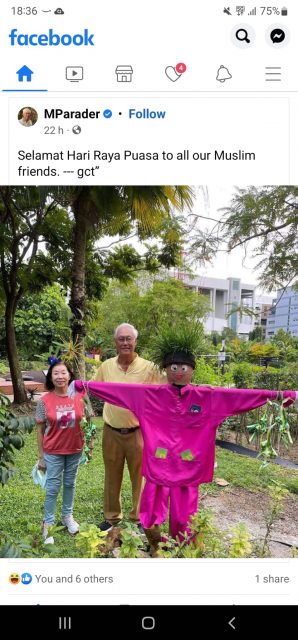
point(62, 415)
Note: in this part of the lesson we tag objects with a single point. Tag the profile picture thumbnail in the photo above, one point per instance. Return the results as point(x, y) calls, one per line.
point(27, 116)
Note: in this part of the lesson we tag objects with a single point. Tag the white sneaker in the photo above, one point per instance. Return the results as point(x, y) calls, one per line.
point(72, 526)
point(45, 531)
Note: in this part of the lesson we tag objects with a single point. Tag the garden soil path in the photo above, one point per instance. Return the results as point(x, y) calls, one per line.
point(235, 504)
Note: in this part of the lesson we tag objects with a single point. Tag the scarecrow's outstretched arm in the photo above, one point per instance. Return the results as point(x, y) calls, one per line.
point(229, 402)
point(127, 396)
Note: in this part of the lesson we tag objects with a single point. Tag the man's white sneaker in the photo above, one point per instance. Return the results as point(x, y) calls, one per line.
point(45, 533)
point(72, 526)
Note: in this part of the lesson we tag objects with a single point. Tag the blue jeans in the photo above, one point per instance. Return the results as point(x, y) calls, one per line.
point(58, 466)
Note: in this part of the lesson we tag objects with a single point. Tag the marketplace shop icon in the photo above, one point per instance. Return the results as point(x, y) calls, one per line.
point(124, 73)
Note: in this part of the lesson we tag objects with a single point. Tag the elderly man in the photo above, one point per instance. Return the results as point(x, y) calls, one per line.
point(26, 119)
point(122, 438)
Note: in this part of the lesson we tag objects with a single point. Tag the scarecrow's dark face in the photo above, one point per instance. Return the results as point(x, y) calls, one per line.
point(179, 374)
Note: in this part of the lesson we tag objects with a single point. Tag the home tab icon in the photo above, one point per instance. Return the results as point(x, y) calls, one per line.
point(24, 73)
point(124, 73)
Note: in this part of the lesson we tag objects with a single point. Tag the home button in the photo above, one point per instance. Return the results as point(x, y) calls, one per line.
point(148, 623)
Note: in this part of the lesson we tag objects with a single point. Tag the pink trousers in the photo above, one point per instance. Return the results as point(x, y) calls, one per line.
point(155, 504)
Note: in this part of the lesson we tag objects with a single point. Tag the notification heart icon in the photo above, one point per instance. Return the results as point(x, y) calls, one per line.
point(172, 74)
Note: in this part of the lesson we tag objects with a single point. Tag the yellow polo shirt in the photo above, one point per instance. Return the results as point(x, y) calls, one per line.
point(140, 371)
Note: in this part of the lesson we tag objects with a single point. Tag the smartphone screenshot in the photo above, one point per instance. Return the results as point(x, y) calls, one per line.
point(149, 315)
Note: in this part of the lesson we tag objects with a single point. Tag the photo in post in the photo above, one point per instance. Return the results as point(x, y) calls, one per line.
point(148, 372)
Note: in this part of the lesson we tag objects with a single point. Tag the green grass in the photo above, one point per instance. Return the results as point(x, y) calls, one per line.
point(245, 472)
point(21, 501)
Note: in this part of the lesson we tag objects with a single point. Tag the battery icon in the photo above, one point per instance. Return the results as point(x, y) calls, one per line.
point(284, 11)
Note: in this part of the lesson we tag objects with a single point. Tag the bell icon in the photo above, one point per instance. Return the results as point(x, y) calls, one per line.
point(223, 74)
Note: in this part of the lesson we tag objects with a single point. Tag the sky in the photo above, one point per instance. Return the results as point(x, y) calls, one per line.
point(209, 201)
point(234, 264)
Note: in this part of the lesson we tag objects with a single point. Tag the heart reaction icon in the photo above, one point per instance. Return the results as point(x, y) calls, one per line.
point(174, 73)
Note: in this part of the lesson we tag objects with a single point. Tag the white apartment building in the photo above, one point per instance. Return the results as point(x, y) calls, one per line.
point(224, 295)
point(263, 308)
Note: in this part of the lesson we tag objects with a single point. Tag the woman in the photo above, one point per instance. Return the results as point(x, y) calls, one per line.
point(60, 442)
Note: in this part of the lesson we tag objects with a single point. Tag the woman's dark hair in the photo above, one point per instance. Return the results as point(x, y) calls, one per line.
point(49, 384)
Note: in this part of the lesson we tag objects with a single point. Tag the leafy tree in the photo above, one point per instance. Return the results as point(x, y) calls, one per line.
point(42, 243)
point(24, 213)
point(228, 334)
point(256, 334)
point(162, 302)
point(287, 345)
point(269, 215)
point(168, 302)
point(259, 350)
point(264, 221)
point(100, 211)
point(238, 348)
point(41, 319)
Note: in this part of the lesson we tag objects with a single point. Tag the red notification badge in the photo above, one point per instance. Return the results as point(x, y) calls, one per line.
point(180, 67)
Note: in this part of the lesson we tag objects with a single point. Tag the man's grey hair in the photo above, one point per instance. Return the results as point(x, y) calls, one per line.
point(125, 324)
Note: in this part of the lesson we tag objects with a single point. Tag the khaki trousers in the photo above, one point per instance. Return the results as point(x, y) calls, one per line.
point(118, 448)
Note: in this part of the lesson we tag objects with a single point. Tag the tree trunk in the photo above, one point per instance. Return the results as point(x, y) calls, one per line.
point(77, 297)
point(12, 352)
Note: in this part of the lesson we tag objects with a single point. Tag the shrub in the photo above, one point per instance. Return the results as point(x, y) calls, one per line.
point(11, 437)
point(4, 368)
point(289, 376)
point(205, 374)
point(97, 405)
point(267, 380)
point(244, 376)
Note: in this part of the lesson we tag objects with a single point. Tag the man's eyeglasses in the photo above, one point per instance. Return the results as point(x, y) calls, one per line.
point(125, 339)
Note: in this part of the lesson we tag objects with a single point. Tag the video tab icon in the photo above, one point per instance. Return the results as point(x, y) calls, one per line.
point(74, 74)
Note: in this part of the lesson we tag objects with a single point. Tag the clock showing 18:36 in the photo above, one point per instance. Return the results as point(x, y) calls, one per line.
point(24, 11)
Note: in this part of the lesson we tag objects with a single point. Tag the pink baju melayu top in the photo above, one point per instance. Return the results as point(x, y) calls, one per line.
point(179, 424)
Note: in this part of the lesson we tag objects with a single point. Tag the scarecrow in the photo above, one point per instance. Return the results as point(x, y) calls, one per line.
point(178, 422)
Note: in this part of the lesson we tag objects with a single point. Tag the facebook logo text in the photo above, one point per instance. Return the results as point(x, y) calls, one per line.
point(51, 39)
